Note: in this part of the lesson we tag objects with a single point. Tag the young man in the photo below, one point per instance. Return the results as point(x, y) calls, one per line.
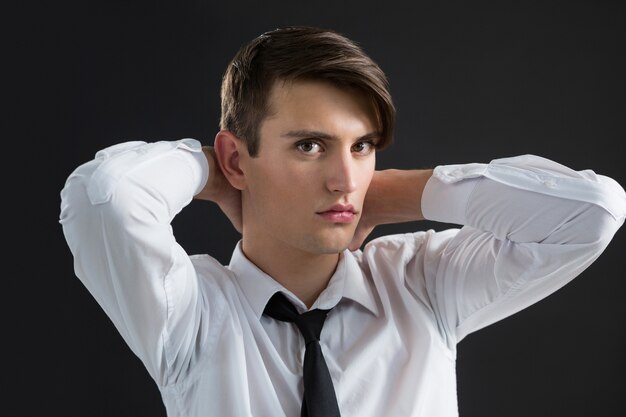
point(304, 112)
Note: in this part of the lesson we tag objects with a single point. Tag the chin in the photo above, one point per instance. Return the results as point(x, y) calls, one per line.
point(336, 249)
point(328, 247)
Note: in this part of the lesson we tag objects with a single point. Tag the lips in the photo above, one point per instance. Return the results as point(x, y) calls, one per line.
point(341, 208)
point(339, 213)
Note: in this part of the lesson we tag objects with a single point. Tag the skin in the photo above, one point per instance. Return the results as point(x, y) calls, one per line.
point(317, 149)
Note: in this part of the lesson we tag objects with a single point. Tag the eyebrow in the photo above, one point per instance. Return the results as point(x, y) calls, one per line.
point(305, 134)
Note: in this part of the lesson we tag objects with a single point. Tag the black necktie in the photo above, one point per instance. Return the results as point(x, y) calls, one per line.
point(319, 393)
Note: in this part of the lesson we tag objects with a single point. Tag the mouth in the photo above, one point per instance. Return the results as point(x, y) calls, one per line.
point(339, 213)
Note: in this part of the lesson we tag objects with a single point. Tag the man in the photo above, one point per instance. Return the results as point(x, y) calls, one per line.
point(304, 112)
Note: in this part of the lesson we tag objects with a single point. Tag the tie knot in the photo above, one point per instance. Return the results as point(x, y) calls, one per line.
point(309, 323)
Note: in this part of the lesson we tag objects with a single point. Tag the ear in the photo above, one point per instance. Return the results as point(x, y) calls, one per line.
point(228, 149)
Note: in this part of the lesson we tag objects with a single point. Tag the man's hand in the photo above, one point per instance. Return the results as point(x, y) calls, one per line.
point(394, 196)
point(219, 190)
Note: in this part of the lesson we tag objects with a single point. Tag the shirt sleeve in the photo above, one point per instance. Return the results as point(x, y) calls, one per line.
point(530, 225)
point(116, 211)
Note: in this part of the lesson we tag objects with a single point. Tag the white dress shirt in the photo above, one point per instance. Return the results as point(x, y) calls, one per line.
point(530, 225)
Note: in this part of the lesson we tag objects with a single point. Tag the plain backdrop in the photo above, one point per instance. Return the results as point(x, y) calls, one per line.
point(472, 81)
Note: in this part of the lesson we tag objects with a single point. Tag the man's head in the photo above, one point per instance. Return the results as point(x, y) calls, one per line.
point(298, 53)
point(304, 111)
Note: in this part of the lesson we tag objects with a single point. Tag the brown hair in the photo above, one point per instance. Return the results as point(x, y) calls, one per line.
point(292, 53)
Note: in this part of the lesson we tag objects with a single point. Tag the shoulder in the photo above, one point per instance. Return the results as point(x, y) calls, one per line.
point(396, 257)
point(404, 246)
point(213, 277)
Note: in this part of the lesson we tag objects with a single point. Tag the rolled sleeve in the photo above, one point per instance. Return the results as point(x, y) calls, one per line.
point(529, 226)
point(115, 213)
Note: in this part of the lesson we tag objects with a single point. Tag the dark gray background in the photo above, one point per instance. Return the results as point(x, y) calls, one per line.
point(472, 81)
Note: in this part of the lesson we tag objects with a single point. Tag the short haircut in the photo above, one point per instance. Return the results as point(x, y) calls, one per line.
point(298, 53)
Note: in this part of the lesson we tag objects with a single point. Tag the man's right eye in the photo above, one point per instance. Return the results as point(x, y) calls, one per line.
point(309, 146)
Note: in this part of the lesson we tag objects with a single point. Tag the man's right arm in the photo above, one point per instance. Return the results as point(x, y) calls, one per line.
point(116, 212)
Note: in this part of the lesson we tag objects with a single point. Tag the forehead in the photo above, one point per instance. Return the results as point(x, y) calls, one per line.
point(315, 102)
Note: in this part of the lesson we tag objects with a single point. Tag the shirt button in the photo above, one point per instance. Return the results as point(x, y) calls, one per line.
point(455, 174)
point(550, 183)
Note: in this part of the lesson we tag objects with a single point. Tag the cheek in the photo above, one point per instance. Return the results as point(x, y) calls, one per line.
point(296, 176)
point(282, 187)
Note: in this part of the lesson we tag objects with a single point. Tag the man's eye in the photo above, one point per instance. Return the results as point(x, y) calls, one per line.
point(363, 147)
point(309, 147)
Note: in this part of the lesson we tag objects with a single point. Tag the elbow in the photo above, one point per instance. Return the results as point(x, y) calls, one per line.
point(609, 211)
point(594, 226)
point(73, 196)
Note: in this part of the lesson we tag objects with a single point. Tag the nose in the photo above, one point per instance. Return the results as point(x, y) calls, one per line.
point(341, 173)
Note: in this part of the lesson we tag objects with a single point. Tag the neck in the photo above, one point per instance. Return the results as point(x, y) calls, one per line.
point(303, 273)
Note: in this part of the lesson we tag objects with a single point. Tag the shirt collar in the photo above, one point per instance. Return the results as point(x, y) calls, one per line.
point(348, 281)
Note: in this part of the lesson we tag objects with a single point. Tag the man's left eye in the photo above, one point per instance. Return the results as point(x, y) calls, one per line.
point(363, 147)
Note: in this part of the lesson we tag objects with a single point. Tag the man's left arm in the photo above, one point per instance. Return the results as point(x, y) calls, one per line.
point(530, 225)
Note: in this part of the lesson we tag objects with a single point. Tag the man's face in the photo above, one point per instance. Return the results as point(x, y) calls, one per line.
point(305, 189)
